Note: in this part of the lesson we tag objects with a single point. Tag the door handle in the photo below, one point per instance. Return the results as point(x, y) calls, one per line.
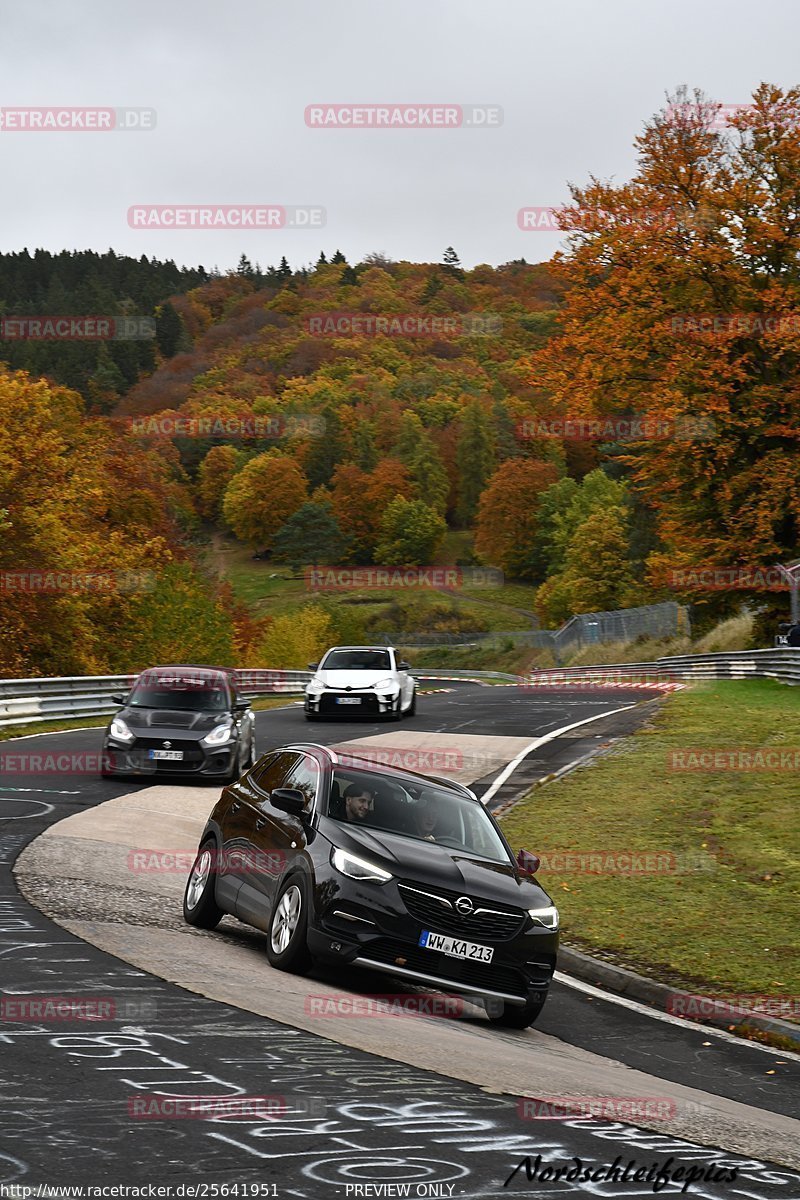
point(261, 822)
point(236, 806)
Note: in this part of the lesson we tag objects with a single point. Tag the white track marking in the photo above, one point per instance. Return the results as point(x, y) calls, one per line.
point(540, 741)
point(656, 1014)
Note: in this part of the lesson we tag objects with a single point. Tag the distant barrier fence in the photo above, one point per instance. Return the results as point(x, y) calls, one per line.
point(29, 701)
point(580, 632)
point(781, 663)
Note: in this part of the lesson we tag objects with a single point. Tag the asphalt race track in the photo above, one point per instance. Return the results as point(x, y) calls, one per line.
point(73, 1104)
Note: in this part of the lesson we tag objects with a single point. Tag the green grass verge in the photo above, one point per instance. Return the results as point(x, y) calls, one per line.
point(730, 926)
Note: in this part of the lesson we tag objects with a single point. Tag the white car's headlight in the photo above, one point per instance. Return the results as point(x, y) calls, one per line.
point(315, 686)
point(358, 868)
point(120, 732)
point(219, 736)
point(545, 916)
point(386, 685)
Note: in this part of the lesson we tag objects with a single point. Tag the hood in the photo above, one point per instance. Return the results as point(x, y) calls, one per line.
point(170, 722)
point(439, 866)
point(352, 679)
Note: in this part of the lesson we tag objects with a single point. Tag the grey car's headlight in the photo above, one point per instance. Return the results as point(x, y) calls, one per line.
point(545, 916)
point(219, 736)
point(358, 868)
point(119, 731)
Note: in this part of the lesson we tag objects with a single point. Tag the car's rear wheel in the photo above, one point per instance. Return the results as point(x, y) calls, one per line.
point(287, 947)
point(200, 907)
point(519, 1016)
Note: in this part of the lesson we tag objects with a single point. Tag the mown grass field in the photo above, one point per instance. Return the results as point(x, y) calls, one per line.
point(731, 924)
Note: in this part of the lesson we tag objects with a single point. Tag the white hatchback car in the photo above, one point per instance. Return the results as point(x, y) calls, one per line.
point(361, 681)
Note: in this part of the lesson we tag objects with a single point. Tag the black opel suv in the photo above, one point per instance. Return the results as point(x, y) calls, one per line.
point(386, 869)
point(181, 720)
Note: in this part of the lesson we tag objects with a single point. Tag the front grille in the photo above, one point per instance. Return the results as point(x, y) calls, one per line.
point(436, 910)
point(327, 704)
point(494, 977)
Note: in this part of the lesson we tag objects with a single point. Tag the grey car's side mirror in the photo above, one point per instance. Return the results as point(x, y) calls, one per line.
point(117, 698)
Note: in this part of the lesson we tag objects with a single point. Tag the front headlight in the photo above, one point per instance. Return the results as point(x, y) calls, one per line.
point(545, 916)
point(358, 868)
point(385, 685)
point(119, 731)
point(315, 686)
point(219, 736)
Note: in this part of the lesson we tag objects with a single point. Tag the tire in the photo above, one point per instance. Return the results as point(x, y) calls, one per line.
point(311, 716)
point(412, 708)
point(515, 1016)
point(287, 947)
point(237, 769)
point(252, 758)
point(200, 907)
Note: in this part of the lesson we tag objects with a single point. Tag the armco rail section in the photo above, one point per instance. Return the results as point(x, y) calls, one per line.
point(28, 701)
point(781, 663)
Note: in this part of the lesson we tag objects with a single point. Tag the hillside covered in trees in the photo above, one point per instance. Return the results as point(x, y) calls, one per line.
point(609, 427)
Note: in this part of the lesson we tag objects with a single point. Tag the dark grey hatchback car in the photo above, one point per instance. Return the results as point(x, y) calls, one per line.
point(391, 870)
point(181, 720)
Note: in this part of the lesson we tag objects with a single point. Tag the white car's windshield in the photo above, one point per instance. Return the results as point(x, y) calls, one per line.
point(421, 811)
point(357, 660)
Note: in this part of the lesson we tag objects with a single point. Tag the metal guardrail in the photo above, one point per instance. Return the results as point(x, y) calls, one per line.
point(781, 663)
point(30, 701)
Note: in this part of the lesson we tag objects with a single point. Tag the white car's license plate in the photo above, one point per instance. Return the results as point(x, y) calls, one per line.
point(348, 699)
point(455, 947)
point(172, 755)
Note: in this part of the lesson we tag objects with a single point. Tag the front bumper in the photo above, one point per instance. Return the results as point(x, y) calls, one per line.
point(366, 703)
point(369, 925)
point(213, 762)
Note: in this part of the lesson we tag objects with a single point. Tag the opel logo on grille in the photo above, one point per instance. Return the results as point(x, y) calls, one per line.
point(166, 745)
point(464, 906)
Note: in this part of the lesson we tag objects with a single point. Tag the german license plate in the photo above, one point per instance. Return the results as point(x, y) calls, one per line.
point(348, 699)
point(172, 755)
point(455, 947)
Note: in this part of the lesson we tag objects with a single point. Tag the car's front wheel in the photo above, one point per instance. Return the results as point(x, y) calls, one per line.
point(412, 708)
point(519, 1016)
point(287, 947)
point(200, 907)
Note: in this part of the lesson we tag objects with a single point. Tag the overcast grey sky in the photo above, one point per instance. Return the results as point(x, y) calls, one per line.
point(231, 81)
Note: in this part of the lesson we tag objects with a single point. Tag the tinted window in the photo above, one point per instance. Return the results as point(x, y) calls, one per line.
point(304, 776)
point(270, 771)
point(421, 811)
point(184, 691)
point(357, 660)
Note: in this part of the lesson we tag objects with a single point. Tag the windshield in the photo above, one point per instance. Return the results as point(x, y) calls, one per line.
point(422, 812)
point(357, 660)
point(190, 693)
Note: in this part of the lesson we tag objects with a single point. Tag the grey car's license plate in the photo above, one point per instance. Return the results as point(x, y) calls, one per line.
point(172, 755)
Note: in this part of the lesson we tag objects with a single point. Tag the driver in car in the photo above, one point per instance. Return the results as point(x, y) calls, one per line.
point(357, 802)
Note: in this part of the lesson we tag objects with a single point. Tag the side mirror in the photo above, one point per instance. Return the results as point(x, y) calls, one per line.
point(313, 666)
point(527, 862)
point(290, 800)
point(404, 666)
point(242, 705)
point(117, 698)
